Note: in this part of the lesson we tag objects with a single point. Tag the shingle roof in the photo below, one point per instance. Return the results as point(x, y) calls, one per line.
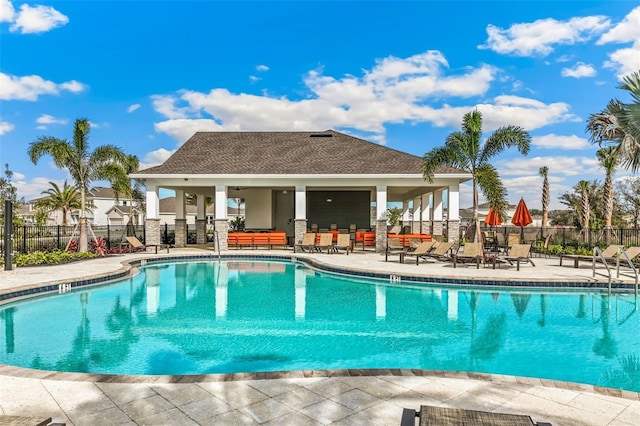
point(327, 152)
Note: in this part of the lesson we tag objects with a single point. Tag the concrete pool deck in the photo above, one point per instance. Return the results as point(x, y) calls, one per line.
point(359, 397)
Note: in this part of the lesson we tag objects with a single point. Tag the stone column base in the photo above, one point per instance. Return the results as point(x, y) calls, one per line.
point(453, 230)
point(437, 227)
point(222, 228)
point(300, 230)
point(425, 227)
point(152, 231)
point(181, 233)
point(381, 236)
point(201, 231)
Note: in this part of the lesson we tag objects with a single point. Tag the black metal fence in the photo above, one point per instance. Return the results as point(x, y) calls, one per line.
point(30, 238)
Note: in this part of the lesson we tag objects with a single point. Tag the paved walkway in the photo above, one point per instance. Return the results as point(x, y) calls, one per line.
point(359, 397)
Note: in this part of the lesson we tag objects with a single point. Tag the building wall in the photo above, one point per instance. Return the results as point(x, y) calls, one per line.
point(258, 208)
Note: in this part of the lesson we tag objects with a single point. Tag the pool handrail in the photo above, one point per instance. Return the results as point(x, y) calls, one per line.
point(623, 253)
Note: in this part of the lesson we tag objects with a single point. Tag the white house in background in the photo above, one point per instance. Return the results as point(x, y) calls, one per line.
point(466, 215)
point(104, 200)
point(168, 212)
point(28, 212)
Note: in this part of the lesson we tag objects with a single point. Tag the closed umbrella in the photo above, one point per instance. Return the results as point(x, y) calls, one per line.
point(522, 217)
point(493, 218)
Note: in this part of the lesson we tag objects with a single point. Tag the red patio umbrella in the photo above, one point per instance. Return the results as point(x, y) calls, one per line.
point(493, 218)
point(521, 217)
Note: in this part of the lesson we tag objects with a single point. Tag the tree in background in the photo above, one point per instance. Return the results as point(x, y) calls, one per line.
point(618, 125)
point(64, 200)
point(585, 209)
point(106, 162)
point(465, 150)
point(8, 191)
point(608, 158)
point(628, 198)
point(544, 172)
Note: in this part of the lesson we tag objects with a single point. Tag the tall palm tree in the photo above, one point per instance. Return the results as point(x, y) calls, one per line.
point(585, 211)
point(608, 158)
point(618, 125)
point(464, 150)
point(106, 162)
point(544, 172)
point(64, 199)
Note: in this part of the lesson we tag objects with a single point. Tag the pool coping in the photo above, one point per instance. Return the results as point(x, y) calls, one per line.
point(130, 266)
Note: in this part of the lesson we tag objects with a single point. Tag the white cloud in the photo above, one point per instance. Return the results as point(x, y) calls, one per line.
point(254, 79)
point(539, 37)
point(133, 107)
point(553, 141)
point(579, 70)
point(625, 60)
point(7, 12)
point(5, 127)
point(33, 188)
point(50, 119)
point(262, 68)
point(155, 158)
point(395, 90)
point(28, 88)
point(558, 166)
point(36, 19)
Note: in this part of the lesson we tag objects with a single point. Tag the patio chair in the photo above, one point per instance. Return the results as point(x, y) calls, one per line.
point(430, 415)
point(473, 252)
point(422, 250)
point(308, 242)
point(512, 239)
point(333, 227)
point(518, 253)
point(325, 242)
point(135, 244)
point(343, 243)
point(610, 254)
point(394, 246)
point(632, 252)
point(543, 249)
point(441, 253)
point(352, 228)
point(414, 243)
point(314, 228)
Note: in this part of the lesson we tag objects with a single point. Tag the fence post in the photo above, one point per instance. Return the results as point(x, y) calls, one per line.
point(58, 237)
point(108, 236)
point(144, 233)
point(24, 239)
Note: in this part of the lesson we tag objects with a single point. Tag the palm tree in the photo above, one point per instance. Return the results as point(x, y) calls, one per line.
point(464, 150)
point(106, 162)
point(64, 199)
point(544, 172)
point(608, 159)
point(585, 211)
point(619, 125)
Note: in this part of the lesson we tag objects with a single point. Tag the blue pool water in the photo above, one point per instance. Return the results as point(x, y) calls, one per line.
point(250, 316)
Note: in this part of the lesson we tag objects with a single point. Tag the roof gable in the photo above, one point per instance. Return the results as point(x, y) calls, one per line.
point(327, 152)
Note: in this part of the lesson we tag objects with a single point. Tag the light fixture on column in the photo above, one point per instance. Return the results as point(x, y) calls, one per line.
point(329, 200)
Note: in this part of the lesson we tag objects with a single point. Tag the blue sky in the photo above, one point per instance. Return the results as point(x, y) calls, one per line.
point(148, 74)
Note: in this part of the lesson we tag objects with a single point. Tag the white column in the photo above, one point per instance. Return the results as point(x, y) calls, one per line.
point(381, 302)
point(437, 205)
point(222, 281)
point(405, 211)
point(180, 204)
point(202, 207)
point(300, 293)
point(425, 207)
point(453, 207)
point(221, 202)
point(301, 202)
point(381, 202)
point(153, 202)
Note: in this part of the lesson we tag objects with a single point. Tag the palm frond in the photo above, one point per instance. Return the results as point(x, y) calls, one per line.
point(503, 138)
point(437, 157)
point(489, 182)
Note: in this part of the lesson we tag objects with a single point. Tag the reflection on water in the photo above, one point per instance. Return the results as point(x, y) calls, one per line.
point(206, 317)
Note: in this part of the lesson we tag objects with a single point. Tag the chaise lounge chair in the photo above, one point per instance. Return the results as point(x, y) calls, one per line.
point(441, 253)
point(610, 254)
point(394, 246)
point(518, 253)
point(136, 245)
point(325, 242)
point(430, 415)
point(473, 252)
point(343, 243)
point(308, 243)
point(422, 250)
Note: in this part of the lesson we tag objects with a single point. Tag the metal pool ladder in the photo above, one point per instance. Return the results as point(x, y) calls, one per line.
point(634, 271)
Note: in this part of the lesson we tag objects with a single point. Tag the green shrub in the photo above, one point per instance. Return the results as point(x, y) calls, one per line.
point(55, 257)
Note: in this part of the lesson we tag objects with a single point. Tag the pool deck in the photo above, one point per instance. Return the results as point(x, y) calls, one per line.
point(354, 397)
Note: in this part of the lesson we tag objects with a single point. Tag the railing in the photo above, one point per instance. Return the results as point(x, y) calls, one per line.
point(597, 255)
point(625, 257)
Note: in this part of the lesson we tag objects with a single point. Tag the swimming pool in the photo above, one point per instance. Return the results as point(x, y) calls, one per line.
point(199, 317)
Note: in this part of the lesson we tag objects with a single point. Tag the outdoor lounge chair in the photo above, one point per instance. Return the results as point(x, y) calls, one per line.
point(519, 253)
point(441, 253)
point(422, 250)
point(610, 254)
point(308, 242)
point(512, 239)
point(473, 252)
point(632, 252)
point(343, 243)
point(136, 245)
point(394, 246)
point(430, 415)
point(325, 242)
